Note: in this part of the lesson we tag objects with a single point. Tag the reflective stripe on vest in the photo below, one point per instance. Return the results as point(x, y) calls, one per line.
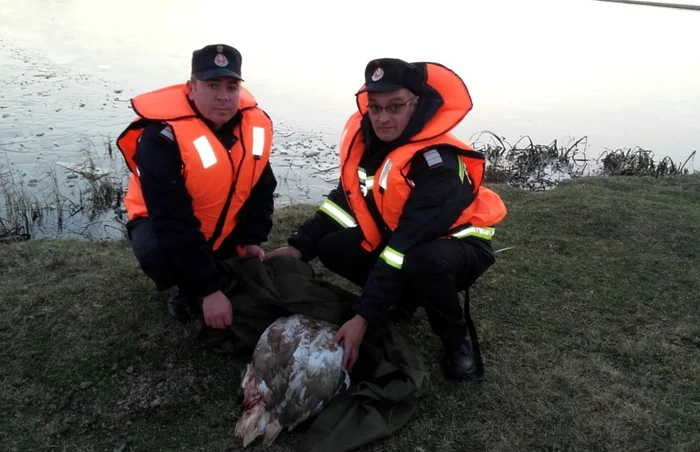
point(205, 151)
point(338, 214)
point(258, 141)
point(385, 174)
point(366, 183)
point(208, 156)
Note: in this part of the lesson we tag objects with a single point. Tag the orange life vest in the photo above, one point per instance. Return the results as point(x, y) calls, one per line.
point(390, 184)
point(219, 180)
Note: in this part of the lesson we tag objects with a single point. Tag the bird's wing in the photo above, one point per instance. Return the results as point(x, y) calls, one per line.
point(270, 363)
point(315, 375)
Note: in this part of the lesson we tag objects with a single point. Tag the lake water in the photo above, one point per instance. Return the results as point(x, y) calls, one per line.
point(621, 75)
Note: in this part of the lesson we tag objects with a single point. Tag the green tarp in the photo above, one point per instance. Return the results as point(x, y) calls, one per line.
point(387, 380)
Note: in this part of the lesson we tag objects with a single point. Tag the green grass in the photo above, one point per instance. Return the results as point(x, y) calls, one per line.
point(590, 331)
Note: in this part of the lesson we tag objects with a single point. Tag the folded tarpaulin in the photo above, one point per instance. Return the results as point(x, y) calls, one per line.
point(387, 381)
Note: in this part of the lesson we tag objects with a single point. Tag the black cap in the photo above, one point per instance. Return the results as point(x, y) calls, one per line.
point(216, 60)
point(391, 74)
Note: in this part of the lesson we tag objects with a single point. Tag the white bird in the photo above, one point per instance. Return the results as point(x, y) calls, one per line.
point(293, 374)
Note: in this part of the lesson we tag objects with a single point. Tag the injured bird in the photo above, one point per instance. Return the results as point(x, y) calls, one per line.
point(293, 374)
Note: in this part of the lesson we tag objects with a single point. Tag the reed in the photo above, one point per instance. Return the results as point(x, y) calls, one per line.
point(92, 190)
point(528, 165)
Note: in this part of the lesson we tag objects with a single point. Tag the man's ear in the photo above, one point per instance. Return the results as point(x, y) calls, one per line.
point(190, 87)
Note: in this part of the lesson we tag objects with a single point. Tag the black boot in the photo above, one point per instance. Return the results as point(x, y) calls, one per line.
point(179, 305)
point(459, 362)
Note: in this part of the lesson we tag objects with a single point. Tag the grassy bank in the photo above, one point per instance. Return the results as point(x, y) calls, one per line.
point(590, 328)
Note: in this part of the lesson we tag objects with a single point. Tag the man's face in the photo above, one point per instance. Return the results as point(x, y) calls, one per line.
point(390, 112)
point(216, 99)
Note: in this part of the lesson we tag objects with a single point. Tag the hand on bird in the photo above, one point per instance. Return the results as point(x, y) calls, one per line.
point(351, 333)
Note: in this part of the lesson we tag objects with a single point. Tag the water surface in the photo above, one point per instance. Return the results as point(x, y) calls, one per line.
point(622, 75)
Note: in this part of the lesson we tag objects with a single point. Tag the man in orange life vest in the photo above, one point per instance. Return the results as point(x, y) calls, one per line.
point(410, 219)
point(201, 186)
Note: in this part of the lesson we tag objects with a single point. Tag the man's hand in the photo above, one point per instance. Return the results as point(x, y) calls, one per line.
point(285, 251)
point(351, 334)
point(217, 310)
point(253, 250)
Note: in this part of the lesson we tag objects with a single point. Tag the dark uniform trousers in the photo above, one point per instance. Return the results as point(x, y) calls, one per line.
point(433, 273)
point(154, 259)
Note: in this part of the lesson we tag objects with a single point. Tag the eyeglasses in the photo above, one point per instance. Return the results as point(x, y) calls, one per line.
point(392, 109)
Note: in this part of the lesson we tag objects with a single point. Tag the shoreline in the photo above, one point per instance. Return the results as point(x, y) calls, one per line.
point(87, 200)
point(283, 209)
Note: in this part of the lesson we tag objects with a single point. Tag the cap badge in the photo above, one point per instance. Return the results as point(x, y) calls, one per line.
point(378, 74)
point(221, 60)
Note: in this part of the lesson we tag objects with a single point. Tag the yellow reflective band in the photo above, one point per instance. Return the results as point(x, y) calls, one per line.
point(484, 233)
point(342, 217)
point(462, 170)
point(370, 182)
point(392, 257)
